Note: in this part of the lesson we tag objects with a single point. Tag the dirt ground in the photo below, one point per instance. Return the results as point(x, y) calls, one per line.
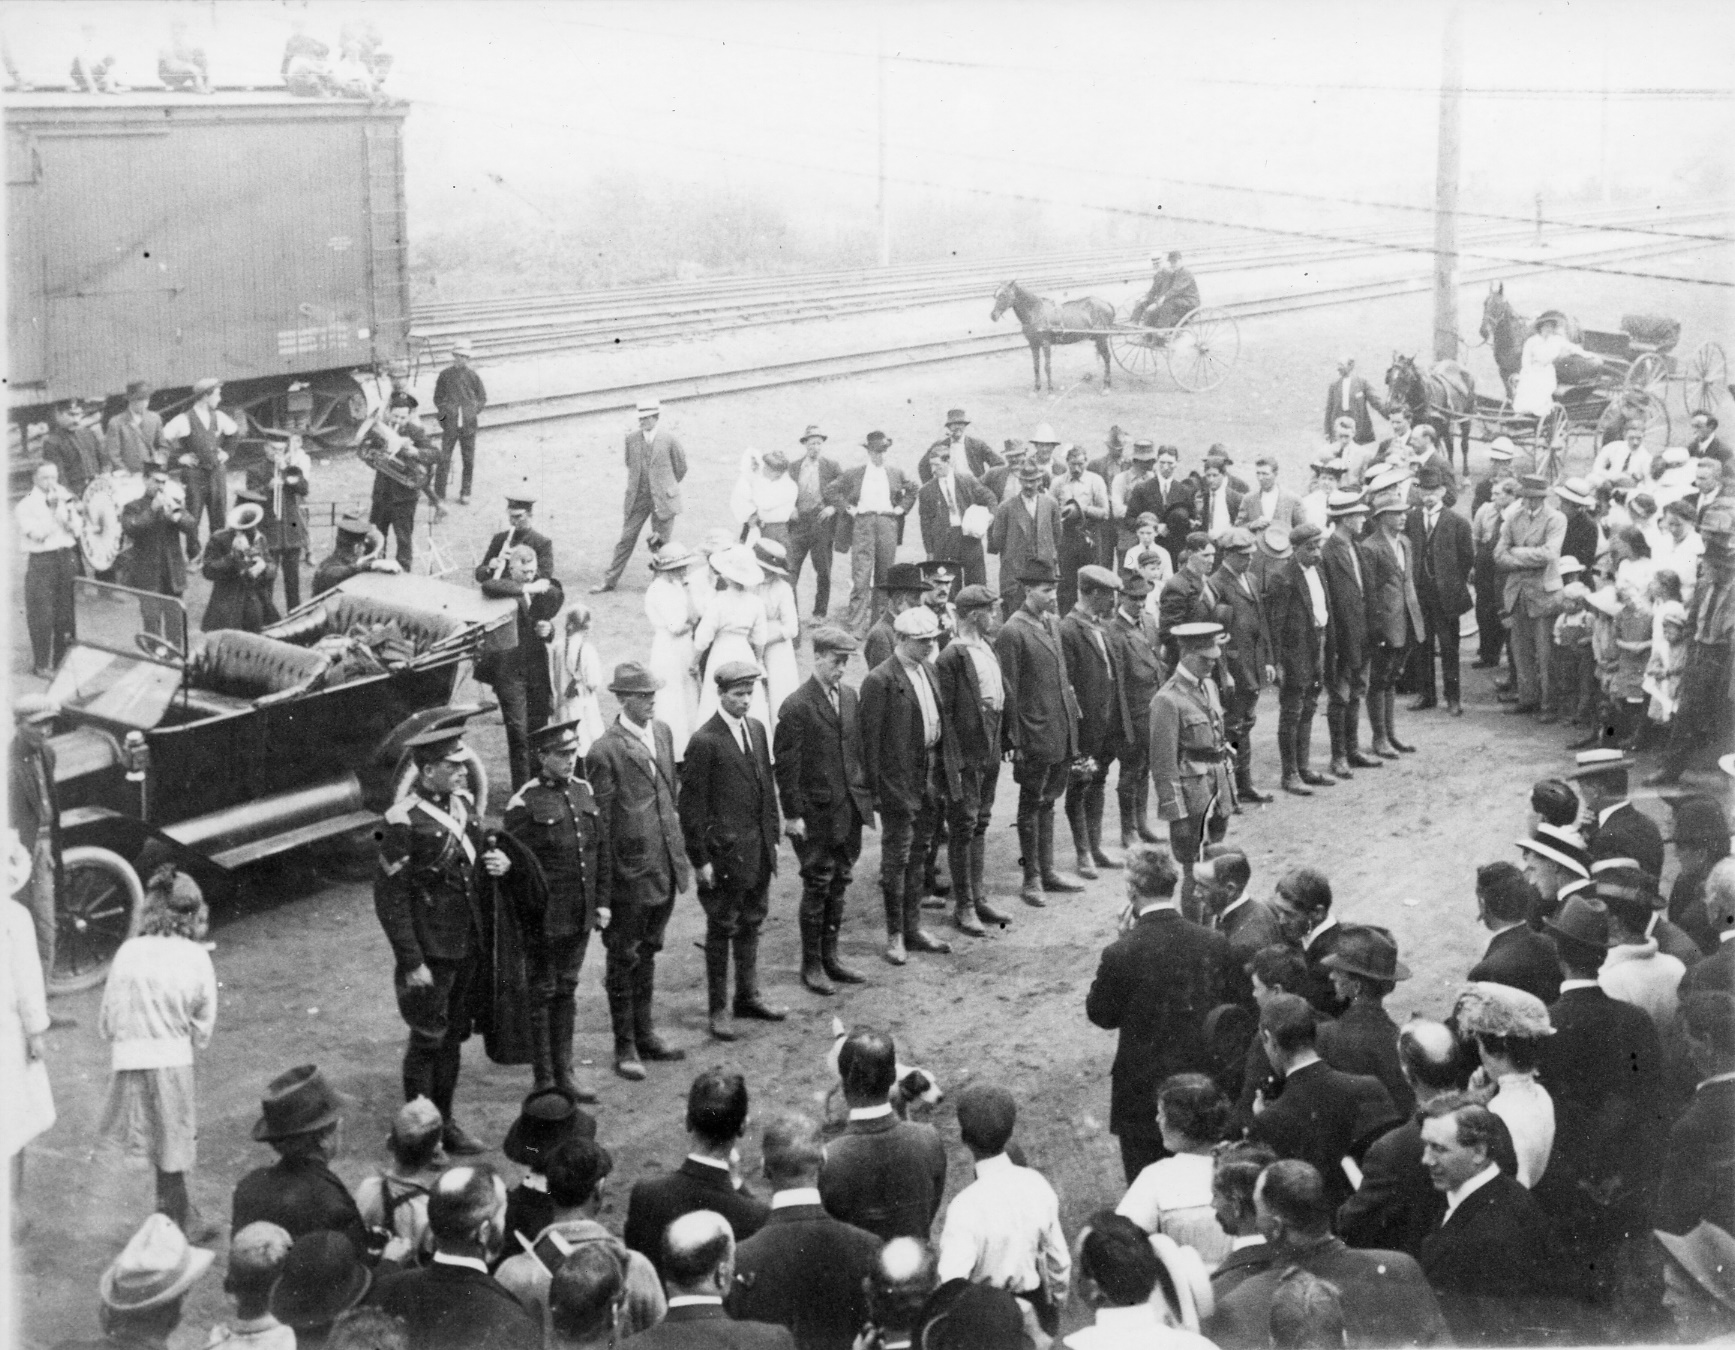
point(305, 971)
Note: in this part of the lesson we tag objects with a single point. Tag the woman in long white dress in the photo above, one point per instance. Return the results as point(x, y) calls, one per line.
point(28, 1107)
point(763, 499)
point(783, 626)
point(732, 629)
point(576, 676)
point(671, 607)
point(1534, 391)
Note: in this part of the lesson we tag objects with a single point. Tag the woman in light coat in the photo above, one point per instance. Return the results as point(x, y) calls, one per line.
point(1534, 391)
point(671, 608)
point(764, 496)
point(734, 628)
point(783, 626)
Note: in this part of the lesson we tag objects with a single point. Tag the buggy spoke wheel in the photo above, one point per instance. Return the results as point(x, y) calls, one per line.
point(1657, 428)
point(96, 909)
point(1203, 349)
point(1707, 377)
point(1650, 372)
point(1136, 353)
point(1548, 443)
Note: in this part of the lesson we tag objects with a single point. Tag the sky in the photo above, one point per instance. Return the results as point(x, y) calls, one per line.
point(1091, 109)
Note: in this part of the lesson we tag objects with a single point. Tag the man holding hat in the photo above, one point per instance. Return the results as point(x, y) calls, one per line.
point(1040, 723)
point(519, 530)
point(728, 808)
point(1134, 628)
point(135, 434)
point(143, 1288)
point(1247, 655)
point(907, 759)
point(903, 588)
point(1394, 619)
point(360, 548)
point(240, 570)
point(1445, 558)
point(427, 894)
point(1297, 610)
point(301, 1117)
point(459, 397)
point(656, 464)
point(1084, 512)
point(1348, 655)
point(553, 818)
point(973, 702)
point(977, 455)
point(812, 526)
point(823, 788)
point(1527, 555)
point(1702, 724)
point(1105, 724)
point(952, 507)
point(198, 442)
point(1189, 753)
point(1026, 531)
point(873, 498)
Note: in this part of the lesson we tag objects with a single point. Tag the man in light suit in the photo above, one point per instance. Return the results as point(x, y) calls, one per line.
point(133, 436)
point(814, 522)
point(1445, 558)
point(1527, 555)
point(940, 506)
point(1351, 396)
point(1395, 621)
point(1025, 532)
point(978, 456)
point(1269, 513)
point(641, 861)
point(873, 498)
point(656, 464)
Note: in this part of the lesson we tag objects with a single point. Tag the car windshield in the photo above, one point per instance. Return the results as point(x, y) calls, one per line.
point(125, 663)
point(112, 617)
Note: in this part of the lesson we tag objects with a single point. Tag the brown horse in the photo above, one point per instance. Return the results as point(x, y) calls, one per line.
point(1442, 397)
point(1506, 329)
point(1046, 323)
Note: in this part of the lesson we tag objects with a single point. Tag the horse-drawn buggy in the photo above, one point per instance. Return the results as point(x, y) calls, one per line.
point(218, 752)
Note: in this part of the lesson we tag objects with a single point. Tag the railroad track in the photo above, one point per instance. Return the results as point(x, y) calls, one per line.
point(712, 385)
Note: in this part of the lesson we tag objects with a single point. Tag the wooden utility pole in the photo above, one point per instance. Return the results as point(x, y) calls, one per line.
point(1446, 190)
point(884, 215)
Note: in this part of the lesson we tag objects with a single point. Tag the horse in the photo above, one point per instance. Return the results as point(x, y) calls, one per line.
point(1046, 323)
point(1442, 396)
point(1506, 328)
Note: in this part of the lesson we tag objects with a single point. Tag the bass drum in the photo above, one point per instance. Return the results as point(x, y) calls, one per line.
point(101, 537)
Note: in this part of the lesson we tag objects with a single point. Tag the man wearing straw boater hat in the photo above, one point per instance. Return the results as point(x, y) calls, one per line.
point(238, 565)
point(656, 464)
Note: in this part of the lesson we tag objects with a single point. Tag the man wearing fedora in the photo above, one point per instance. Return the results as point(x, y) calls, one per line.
point(656, 463)
point(1364, 969)
point(198, 442)
point(873, 499)
point(135, 434)
point(239, 567)
point(144, 1287)
point(322, 1278)
point(548, 1117)
point(1189, 753)
point(459, 397)
point(904, 587)
point(1026, 531)
point(1348, 654)
point(1395, 621)
point(300, 1116)
point(427, 889)
point(1527, 556)
point(641, 860)
point(814, 522)
point(953, 508)
point(973, 702)
point(1445, 558)
point(977, 455)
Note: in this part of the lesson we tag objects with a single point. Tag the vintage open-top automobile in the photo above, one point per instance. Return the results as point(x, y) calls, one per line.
point(222, 749)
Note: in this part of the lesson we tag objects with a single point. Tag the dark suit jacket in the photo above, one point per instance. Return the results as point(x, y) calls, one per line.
point(1604, 1068)
point(1322, 1116)
point(1155, 985)
point(1250, 927)
point(1041, 716)
point(728, 804)
point(1361, 395)
point(1346, 605)
point(1385, 1299)
point(1186, 598)
point(1699, 1168)
point(1637, 835)
point(881, 640)
point(819, 771)
point(457, 1308)
point(1018, 537)
point(885, 1175)
point(640, 850)
point(705, 1326)
point(845, 491)
point(1099, 686)
point(1141, 663)
point(1445, 561)
point(973, 726)
point(941, 538)
point(1249, 649)
point(1150, 495)
point(828, 474)
point(299, 1195)
point(155, 558)
point(1714, 975)
point(656, 1202)
point(1364, 1039)
point(1523, 958)
point(1396, 1206)
point(1319, 991)
point(543, 545)
point(1295, 635)
point(1240, 1266)
point(890, 719)
point(979, 457)
point(1201, 504)
point(804, 1271)
point(1394, 612)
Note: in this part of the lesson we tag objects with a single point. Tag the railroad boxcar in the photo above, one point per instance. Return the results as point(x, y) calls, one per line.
point(250, 236)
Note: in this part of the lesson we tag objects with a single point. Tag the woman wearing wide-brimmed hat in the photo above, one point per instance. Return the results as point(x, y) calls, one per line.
point(673, 609)
point(240, 569)
point(734, 628)
point(783, 625)
point(1533, 392)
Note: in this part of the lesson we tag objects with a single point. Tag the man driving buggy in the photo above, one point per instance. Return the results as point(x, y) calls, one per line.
point(1173, 294)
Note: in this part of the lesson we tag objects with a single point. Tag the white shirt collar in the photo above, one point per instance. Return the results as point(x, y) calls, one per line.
point(797, 1195)
point(870, 1112)
point(1565, 985)
point(644, 733)
point(1140, 1318)
point(987, 1167)
point(718, 1163)
point(1232, 908)
point(1728, 1077)
point(1251, 1240)
point(694, 1300)
point(737, 726)
point(1469, 1188)
point(534, 1181)
point(1330, 922)
point(1158, 906)
point(1724, 937)
point(451, 1259)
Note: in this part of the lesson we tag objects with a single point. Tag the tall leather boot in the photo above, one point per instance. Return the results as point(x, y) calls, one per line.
point(978, 857)
point(454, 1138)
point(1391, 702)
point(650, 1044)
point(560, 1020)
point(835, 968)
point(748, 1000)
point(620, 1016)
point(1244, 788)
point(1051, 880)
point(1075, 820)
point(717, 986)
point(1286, 739)
point(1095, 799)
point(1029, 857)
point(1127, 798)
point(958, 853)
point(1304, 769)
point(1146, 833)
point(541, 1050)
point(418, 1072)
point(813, 974)
point(1339, 751)
point(1352, 738)
point(1381, 743)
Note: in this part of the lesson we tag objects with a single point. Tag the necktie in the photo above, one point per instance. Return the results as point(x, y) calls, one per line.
point(746, 748)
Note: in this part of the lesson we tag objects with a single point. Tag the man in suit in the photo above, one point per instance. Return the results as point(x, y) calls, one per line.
point(519, 530)
point(1698, 1183)
point(873, 499)
point(1248, 659)
point(699, 1253)
point(1395, 620)
point(716, 1115)
point(1250, 924)
point(1084, 517)
point(1026, 532)
point(1268, 513)
point(642, 860)
point(72, 447)
point(280, 482)
point(1705, 442)
point(728, 809)
point(1105, 721)
point(1491, 1261)
point(883, 1174)
point(978, 457)
point(197, 441)
point(1527, 554)
point(1349, 395)
point(1364, 970)
point(1396, 1205)
point(135, 435)
point(1235, 1172)
point(814, 523)
point(905, 759)
point(804, 1270)
point(1517, 954)
point(1218, 502)
point(1346, 644)
point(941, 505)
point(300, 1117)
point(1298, 611)
point(823, 787)
point(1040, 725)
point(972, 704)
point(453, 1303)
point(1616, 828)
point(459, 397)
point(1110, 466)
point(656, 464)
point(1384, 1298)
point(1155, 985)
point(158, 530)
point(904, 587)
point(1445, 558)
point(1189, 749)
point(1716, 973)
point(1323, 1115)
point(1189, 596)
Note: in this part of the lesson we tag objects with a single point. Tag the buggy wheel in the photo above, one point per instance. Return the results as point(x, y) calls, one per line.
point(1202, 350)
point(1707, 377)
point(404, 778)
point(1548, 444)
point(1650, 373)
point(1137, 353)
point(95, 910)
point(1658, 431)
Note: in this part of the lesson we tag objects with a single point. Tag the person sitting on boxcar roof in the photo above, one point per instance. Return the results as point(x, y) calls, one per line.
point(304, 67)
point(181, 65)
point(92, 68)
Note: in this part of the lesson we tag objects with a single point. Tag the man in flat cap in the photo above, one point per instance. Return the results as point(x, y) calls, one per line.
point(1247, 657)
point(1135, 629)
point(656, 464)
point(641, 860)
point(1299, 613)
point(872, 499)
point(1026, 530)
point(459, 397)
point(1395, 621)
point(1189, 752)
point(973, 702)
point(822, 785)
point(1105, 722)
point(520, 507)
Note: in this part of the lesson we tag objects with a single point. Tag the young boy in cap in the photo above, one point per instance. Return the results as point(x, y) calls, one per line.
point(397, 1201)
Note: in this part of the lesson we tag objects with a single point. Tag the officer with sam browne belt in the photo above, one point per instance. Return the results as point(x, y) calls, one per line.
point(1189, 753)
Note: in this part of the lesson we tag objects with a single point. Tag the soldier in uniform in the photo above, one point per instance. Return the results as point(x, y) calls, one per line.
point(360, 548)
point(427, 897)
point(554, 817)
point(1135, 629)
point(1188, 750)
point(518, 531)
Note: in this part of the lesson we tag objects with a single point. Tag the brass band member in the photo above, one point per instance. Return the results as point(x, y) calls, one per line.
point(400, 476)
point(47, 520)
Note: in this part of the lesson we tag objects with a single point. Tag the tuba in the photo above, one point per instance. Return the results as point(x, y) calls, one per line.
point(385, 455)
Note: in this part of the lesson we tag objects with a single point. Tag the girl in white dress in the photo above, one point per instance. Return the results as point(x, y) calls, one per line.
point(733, 628)
point(671, 606)
point(578, 677)
point(783, 631)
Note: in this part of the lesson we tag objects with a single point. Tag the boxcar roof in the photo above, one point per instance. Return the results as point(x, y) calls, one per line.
point(56, 105)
